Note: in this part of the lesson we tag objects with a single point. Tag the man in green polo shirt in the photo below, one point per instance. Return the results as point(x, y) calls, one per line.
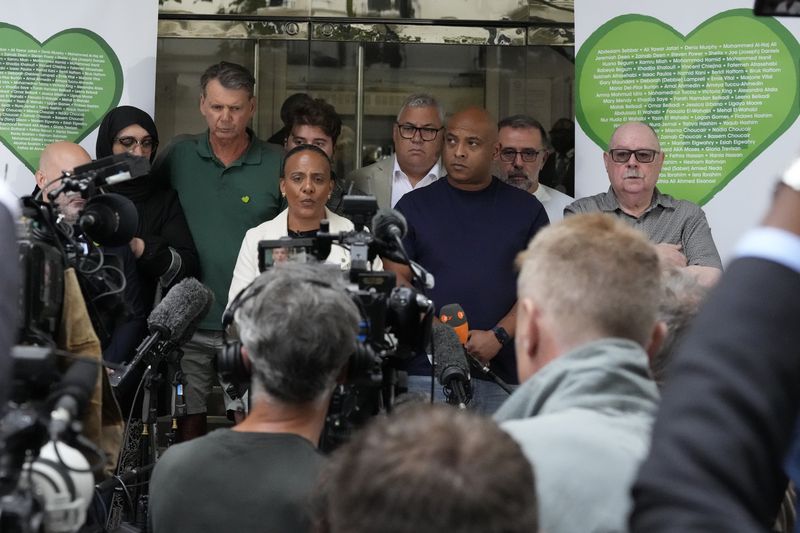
point(227, 180)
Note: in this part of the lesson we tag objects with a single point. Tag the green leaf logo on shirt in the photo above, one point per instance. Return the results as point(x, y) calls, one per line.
point(53, 91)
point(717, 97)
point(245, 199)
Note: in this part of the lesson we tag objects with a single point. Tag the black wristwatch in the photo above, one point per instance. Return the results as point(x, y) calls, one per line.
point(502, 335)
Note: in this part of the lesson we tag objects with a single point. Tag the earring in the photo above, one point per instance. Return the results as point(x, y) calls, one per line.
point(283, 194)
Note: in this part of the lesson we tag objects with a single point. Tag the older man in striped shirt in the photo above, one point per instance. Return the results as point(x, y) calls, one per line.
point(678, 228)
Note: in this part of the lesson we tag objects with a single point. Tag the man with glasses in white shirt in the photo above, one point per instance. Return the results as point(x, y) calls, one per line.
point(678, 227)
point(417, 137)
point(524, 148)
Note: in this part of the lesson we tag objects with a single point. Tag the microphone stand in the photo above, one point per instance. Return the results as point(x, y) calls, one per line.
point(155, 374)
point(486, 371)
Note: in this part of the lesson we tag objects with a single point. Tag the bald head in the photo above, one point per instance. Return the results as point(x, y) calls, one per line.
point(477, 118)
point(641, 131)
point(470, 145)
point(56, 159)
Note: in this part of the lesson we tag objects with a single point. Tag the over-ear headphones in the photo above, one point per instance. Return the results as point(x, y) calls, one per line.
point(231, 365)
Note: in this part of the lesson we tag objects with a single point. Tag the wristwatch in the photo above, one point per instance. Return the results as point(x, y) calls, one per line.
point(792, 175)
point(502, 335)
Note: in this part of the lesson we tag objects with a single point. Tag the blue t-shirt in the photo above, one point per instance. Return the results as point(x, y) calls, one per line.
point(468, 240)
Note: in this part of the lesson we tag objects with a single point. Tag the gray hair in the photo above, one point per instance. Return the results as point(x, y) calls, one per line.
point(422, 100)
point(680, 301)
point(299, 326)
point(230, 75)
point(595, 276)
point(525, 122)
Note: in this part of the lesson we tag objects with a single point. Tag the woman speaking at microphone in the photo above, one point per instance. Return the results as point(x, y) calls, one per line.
point(163, 246)
point(306, 184)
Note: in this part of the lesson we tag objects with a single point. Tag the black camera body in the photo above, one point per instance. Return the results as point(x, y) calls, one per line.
point(46, 248)
point(395, 323)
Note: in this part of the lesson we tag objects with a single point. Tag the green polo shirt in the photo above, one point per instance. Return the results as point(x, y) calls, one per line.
point(221, 203)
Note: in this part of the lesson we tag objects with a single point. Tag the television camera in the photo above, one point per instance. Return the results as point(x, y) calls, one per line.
point(395, 321)
point(46, 481)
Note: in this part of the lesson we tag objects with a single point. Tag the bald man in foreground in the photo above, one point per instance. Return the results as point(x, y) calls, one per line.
point(678, 228)
point(466, 230)
point(55, 159)
point(119, 325)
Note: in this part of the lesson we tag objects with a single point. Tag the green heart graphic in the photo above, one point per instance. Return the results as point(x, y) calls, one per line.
point(717, 97)
point(58, 90)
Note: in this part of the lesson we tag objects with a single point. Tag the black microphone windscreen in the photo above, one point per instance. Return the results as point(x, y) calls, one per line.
point(110, 219)
point(78, 381)
point(448, 350)
point(184, 306)
point(384, 222)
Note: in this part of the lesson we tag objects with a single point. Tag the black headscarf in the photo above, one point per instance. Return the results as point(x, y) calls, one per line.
point(117, 120)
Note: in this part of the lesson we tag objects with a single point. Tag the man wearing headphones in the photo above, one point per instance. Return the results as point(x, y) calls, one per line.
point(262, 470)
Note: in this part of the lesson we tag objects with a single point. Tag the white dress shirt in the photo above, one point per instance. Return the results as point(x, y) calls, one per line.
point(401, 184)
point(553, 201)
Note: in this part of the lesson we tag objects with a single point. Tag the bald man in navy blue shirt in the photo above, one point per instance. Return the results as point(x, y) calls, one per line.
point(466, 230)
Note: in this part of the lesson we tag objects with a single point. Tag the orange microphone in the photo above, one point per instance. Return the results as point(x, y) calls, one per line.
point(453, 315)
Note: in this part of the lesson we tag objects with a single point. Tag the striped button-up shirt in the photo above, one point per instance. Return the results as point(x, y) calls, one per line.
point(667, 220)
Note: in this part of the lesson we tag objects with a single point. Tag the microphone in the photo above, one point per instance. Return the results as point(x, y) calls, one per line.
point(389, 225)
point(388, 228)
point(172, 322)
point(451, 366)
point(71, 396)
point(109, 219)
point(454, 316)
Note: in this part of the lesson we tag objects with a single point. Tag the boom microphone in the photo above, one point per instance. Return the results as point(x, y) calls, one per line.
point(172, 322)
point(451, 366)
point(389, 225)
point(109, 219)
point(71, 396)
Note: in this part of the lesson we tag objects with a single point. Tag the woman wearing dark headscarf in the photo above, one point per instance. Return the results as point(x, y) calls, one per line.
point(163, 244)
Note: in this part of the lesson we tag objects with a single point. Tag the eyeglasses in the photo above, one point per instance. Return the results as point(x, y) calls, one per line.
point(129, 142)
point(509, 155)
point(407, 131)
point(623, 156)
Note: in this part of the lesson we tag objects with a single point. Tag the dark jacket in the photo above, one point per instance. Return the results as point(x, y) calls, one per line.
point(728, 410)
point(169, 252)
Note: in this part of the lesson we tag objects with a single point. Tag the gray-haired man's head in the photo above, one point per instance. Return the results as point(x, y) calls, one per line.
point(418, 135)
point(298, 326)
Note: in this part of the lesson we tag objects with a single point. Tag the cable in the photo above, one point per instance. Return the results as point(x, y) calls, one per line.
point(85, 443)
point(128, 496)
point(126, 434)
point(99, 497)
point(112, 290)
point(83, 259)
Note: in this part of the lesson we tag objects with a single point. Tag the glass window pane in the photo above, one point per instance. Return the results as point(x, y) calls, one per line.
point(180, 64)
point(326, 70)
